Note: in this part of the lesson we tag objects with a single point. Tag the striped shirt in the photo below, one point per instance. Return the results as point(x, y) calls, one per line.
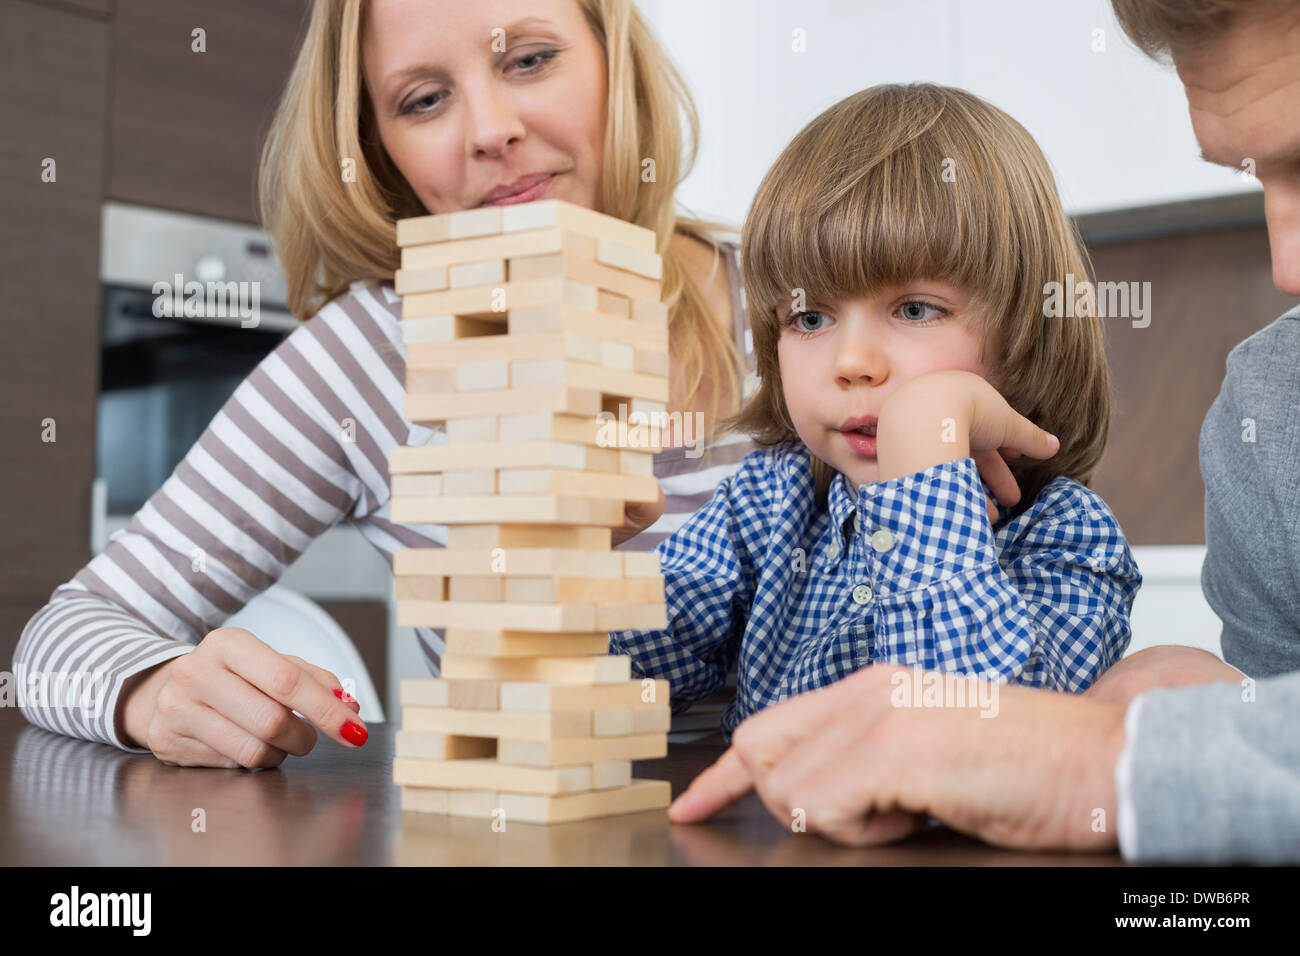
point(909, 571)
point(302, 444)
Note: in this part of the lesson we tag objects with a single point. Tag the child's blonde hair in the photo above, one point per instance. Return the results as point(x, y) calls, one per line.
point(329, 232)
point(903, 182)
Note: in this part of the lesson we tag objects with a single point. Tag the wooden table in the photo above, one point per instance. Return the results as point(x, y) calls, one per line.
point(66, 802)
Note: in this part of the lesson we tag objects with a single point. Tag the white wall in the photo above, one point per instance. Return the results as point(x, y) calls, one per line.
point(1113, 124)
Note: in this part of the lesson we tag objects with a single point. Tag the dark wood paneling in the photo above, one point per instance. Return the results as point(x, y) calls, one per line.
point(54, 70)
point(14, 615)
point(366, 622)
point(1208, 292)
point(187, 127)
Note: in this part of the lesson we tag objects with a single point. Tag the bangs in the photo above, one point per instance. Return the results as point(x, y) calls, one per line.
point(896, 186)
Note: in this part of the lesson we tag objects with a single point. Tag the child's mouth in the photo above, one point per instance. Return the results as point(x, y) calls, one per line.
point(863, 441)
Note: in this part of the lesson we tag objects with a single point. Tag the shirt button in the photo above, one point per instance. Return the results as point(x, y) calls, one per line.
point(882, 541)
point(862, 594)
point(834, 550)
point(857, 523)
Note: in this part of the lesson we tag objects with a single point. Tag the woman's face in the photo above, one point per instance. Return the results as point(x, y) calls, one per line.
point(473, 96)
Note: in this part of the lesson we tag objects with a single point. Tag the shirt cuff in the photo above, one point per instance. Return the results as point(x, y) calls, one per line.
point(1126, 825)
point(927, 526)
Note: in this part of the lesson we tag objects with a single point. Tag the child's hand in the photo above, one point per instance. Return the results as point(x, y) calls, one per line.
point(637, 516)
point(951, 415)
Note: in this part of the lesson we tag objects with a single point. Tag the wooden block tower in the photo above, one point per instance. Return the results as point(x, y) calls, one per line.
point(536, 336)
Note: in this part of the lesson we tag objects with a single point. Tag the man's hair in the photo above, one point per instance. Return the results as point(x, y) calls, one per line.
point(1162, 28)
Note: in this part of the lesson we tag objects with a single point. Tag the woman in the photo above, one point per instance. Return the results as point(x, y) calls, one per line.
point(395, 108)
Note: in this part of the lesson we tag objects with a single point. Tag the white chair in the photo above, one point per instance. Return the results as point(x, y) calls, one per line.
point(294, 624)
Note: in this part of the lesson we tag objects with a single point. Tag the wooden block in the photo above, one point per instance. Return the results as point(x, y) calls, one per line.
point(652, 720)
point(565, 590)
point(486, 773)
point(452, 328)
point(544, 319)
point(403, 485)
point(406, 281)
point(613, 773)
point(503, 562)
point(459, 431)
point(420, 589)
point(483, 221)
point(425, 459)
point(611, 723)
point(644, 694)
point(584, 269)
point(489, 301)
point(634, 462)
point(476, 588)
point(576, 484)
point(527, 536)
point(559, 214)
point(441, 692)
point(436, 381)
point(507, 509)
point(641, 564)
point(459, 484)
point(636, 797)
point(560, 752)
point(612, 303)
point(440, 407)
point(409, 743)
point(603, 433)
point(652, 363)
point(610, 381)
point(557, 670)
point(504, 725)
point(490, 272)
point(631, 617)
point(650, 312)
point(474, 803)
point(534, 243)
point(487, 615)
point(622, 256)
point(524, 644)
point(507, 348)
point(484, 376)
point(423, 800)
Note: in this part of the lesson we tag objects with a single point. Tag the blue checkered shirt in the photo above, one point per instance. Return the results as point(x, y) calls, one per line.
point(907, 571)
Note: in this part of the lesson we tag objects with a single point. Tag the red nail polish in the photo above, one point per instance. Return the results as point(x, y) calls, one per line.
point(354, 733)
point(346, 697)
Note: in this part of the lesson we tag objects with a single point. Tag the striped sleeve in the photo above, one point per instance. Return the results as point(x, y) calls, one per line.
point(301, 444)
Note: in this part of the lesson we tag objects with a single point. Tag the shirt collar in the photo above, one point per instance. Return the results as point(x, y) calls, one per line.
point(843, 505)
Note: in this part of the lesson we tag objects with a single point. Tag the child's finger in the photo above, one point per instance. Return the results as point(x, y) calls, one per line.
point(993, 469)
point(1027, 438)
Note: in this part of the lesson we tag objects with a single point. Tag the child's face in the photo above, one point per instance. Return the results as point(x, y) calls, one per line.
point(840, 360)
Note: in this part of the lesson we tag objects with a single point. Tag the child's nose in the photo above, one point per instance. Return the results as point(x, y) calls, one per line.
point(860, 357)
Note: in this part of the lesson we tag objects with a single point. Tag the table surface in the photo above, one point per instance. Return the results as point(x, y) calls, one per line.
point(70, 802)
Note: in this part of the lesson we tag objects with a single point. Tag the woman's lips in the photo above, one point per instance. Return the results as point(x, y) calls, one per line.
point(531, 194)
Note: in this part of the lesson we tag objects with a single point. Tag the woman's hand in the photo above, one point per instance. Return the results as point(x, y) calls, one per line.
point(637, 516)
point(230, 702)
point(951, 415)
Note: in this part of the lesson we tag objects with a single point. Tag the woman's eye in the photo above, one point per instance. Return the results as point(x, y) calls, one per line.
point(411, 107)
point(915, 311)
point(538, 59)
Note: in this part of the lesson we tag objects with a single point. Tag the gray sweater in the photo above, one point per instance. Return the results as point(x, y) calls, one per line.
point(1215, 775)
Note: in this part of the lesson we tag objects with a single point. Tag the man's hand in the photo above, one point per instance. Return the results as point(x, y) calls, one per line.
point(1040, 774)
point(950, 415)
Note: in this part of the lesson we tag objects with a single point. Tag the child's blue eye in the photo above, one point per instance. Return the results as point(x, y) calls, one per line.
point(914, 311)
point(794, 318)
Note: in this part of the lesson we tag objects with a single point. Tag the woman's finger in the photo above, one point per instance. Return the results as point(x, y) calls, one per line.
point(258, 715)
point(328, 679)
point(228, 739)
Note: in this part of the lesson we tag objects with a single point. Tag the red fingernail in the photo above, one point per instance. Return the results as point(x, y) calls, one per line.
point(346, 698)
point(354, 733)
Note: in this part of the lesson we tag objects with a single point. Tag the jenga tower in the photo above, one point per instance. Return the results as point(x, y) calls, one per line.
point(523, 323)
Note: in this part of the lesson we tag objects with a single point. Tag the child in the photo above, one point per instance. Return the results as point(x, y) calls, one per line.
point(895, 261)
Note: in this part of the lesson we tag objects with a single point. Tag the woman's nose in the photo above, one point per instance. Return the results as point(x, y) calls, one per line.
point(493, 121)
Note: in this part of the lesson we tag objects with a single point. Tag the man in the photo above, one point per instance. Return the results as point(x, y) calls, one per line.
point(1203, 773)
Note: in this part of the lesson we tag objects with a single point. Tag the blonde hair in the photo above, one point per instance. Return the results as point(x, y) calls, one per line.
point(1163, 28)
point(860, 199)
point(329, 233)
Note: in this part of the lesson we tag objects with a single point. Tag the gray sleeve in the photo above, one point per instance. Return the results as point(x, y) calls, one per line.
point(1250, 464)
point(1214, 775)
